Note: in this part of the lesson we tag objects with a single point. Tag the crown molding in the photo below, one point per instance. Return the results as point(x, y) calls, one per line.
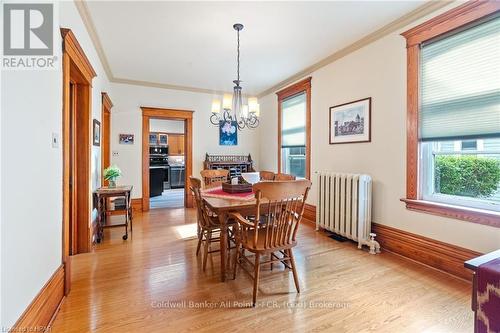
point(170, 86)
point(83, 10)
point(399, 23)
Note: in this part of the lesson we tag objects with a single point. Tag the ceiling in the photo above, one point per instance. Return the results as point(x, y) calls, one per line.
point(193, 44)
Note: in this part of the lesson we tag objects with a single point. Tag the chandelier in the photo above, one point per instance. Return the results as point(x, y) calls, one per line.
point(233, 109)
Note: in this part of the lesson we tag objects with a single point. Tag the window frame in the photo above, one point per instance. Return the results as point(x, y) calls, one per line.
point(303, 86)
point(451, 20)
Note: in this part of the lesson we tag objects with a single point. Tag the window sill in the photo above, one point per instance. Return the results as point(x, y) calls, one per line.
point(480, 216)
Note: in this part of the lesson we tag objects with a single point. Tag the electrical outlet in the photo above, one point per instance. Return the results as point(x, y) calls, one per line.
point(55, 140)
point(115, 153)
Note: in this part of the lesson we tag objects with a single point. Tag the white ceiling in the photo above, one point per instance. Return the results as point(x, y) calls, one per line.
point(193, 44)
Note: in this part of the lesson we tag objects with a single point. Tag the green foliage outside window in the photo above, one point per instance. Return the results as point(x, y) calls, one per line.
point(469, 176)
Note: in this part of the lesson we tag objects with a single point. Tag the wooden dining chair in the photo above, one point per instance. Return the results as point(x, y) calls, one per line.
point(208, 224)
point(283, 176)
point(214, 178)
point(277, 234)
point(266, 175)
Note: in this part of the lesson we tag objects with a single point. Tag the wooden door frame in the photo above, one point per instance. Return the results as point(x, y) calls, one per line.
point(77, 70)
point(167, 114)
point(105, 133)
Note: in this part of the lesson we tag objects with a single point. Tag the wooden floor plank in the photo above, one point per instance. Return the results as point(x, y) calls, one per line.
point(126, 286)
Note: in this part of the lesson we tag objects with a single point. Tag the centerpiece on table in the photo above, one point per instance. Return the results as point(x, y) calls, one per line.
point(237, 185)
point(111, 174)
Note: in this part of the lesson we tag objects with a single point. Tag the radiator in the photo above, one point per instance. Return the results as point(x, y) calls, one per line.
point(345, 206)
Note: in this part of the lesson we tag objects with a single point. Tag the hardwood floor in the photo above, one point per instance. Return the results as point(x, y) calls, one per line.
point(126, 286)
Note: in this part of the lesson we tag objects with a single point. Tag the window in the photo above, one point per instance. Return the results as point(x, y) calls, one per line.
point(294, 136)
point(453, 162)
point(460, 89)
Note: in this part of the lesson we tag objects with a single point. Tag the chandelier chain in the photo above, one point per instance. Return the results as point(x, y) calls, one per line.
point(238, 58)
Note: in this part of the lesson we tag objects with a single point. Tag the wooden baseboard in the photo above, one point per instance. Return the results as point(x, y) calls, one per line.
point(442, 256)
point(309, 213)
point(431, 252)
point(39, 314)
point(137, 205)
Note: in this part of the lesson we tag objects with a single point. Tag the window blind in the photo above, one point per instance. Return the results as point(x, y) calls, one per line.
point(460, 85)
point(293, 120)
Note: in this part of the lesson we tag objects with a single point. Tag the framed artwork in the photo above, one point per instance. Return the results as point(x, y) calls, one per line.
point(96, 133)
point(228, 133)
point(153, 138)
point(351, 122)
point(126, 139)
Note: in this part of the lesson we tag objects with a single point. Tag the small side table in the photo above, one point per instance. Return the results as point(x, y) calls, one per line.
point(101, 196)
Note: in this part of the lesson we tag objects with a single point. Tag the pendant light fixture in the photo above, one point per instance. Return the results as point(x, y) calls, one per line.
point(233, 109)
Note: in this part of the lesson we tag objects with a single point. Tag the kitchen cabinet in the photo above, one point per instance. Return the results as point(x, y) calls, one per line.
point(176, 144)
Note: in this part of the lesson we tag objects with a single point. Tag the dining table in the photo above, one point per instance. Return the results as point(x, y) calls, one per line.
point(224, 204)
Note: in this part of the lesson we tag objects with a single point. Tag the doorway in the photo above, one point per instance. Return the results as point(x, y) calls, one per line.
point(167, 137)
point(76, 142)
point(167, 166)
point(105, 135)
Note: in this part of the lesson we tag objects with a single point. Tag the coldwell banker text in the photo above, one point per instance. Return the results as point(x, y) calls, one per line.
point(28, 36)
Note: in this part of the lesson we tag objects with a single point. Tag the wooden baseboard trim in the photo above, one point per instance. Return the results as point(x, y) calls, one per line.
point(41, 311)
point(443, 256)
point(309, 214)
point(137, 205)
point(436, 254)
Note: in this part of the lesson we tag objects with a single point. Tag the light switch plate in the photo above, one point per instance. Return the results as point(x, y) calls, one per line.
point(55, 140)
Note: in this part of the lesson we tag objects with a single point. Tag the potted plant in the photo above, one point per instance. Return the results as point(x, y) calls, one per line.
point(111, 173)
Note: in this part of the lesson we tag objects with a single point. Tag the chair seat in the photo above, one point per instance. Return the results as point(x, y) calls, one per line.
point(249, 244)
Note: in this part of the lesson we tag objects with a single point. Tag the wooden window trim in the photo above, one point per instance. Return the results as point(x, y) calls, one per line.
point(295, 89)
point(453, 19)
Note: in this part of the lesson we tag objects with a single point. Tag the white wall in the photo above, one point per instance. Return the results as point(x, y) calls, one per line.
point(32, 172)
point(167, 126)
point(377, 70)
point(126, 117)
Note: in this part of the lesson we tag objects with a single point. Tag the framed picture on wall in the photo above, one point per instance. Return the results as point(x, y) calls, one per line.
point(351, 122)
point(126, 139)
point(96, 133)
point(228, 133)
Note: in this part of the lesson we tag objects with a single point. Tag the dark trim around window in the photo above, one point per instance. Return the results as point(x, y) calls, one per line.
point(453, 19)
point(295, 89)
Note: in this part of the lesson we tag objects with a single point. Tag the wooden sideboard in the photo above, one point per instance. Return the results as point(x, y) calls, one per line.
point(236, 164)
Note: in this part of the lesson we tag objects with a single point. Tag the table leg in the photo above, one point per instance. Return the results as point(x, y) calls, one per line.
point(223, 245)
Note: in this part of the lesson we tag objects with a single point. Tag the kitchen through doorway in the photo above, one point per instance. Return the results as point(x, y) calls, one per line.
point(167, 169)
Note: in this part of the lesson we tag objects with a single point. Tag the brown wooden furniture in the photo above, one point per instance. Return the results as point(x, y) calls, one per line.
point(176, 144)
point(266, 175)
point(213, 178)
point(473, 265)
point(236, 164)
point(208, 223)
point(277, 232)
point(222, 207)
point(283, 176)
point(101, 195)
